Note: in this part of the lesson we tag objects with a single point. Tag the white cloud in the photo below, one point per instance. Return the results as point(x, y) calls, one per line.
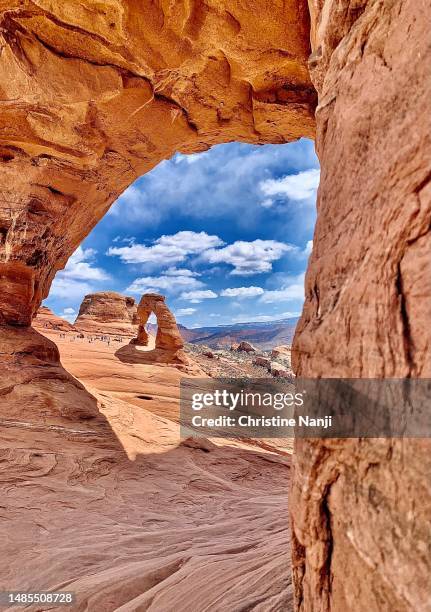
point(128, 239)
point(290, 315)
point(79, 267)
point(197, 296)
point(154, 284)
point(267, 203)
point(234, 173)
point(69, 314)
point(299, 186)
point(185, 312)
point(79, 276)
point(293, 292)
point(190, 242)
point(180, 272)
point(156, 254)
point(242, 292)
point(168, 249)
point(293, 289)
point(69, 289)
point(131, 197)
point(192, 158)
point(308, 247)
point(249, 258)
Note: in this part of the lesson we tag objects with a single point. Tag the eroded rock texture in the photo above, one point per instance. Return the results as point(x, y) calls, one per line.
point(46, 319)
point(95, 94)
point(107, 312)
point(361, 508)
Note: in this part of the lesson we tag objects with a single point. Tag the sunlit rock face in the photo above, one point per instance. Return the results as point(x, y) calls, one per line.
point(107, 313)
point(96, 94)
point(361, 509)
point(46, 319)
point(168, 336)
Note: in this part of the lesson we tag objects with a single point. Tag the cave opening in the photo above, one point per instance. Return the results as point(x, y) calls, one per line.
point(224, 234)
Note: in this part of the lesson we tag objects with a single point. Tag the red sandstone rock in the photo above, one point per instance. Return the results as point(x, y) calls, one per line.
point(263, 362)
point(246, 347)
point(46, 319)
point(279, 370)
point(168, 342)
point(107, 313)
point(361, 509)
point(117, 506)
point(281, 351)
point(34, 387)
point(168, 336)
point(93, 97)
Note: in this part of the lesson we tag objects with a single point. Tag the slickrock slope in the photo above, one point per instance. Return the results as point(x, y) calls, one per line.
point(35, 386)
point(107, 313)
point(46, 319)
point(283, 350)
point(127, 517)
point(95, 94)
point(362, 508)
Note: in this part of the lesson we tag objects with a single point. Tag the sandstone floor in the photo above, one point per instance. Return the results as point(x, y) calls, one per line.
point(128, 516)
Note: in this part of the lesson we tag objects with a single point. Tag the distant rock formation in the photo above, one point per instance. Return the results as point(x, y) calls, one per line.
point(168, 335)
point(107, 313)
point(168, 347)
point(262, 362)
point(281, 351)
point(263, 336)
point(46, 319)
point(246, 346)
point(278, 369)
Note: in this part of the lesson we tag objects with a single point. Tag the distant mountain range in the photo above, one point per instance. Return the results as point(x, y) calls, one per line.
point(263, 335)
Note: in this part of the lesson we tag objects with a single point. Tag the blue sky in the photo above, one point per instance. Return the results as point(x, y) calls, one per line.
point(224, 234)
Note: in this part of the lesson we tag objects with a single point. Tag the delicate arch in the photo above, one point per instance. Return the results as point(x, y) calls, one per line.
point(168, 335)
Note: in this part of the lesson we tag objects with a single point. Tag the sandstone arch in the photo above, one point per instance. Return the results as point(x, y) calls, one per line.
point(168, 337)
point(157, 77)
point(94, 95)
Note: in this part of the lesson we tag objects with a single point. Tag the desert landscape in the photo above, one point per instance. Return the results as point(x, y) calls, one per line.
point(100, 495)
point(129, 516)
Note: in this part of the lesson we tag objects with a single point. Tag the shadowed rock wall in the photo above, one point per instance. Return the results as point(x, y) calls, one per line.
point(361, 509)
